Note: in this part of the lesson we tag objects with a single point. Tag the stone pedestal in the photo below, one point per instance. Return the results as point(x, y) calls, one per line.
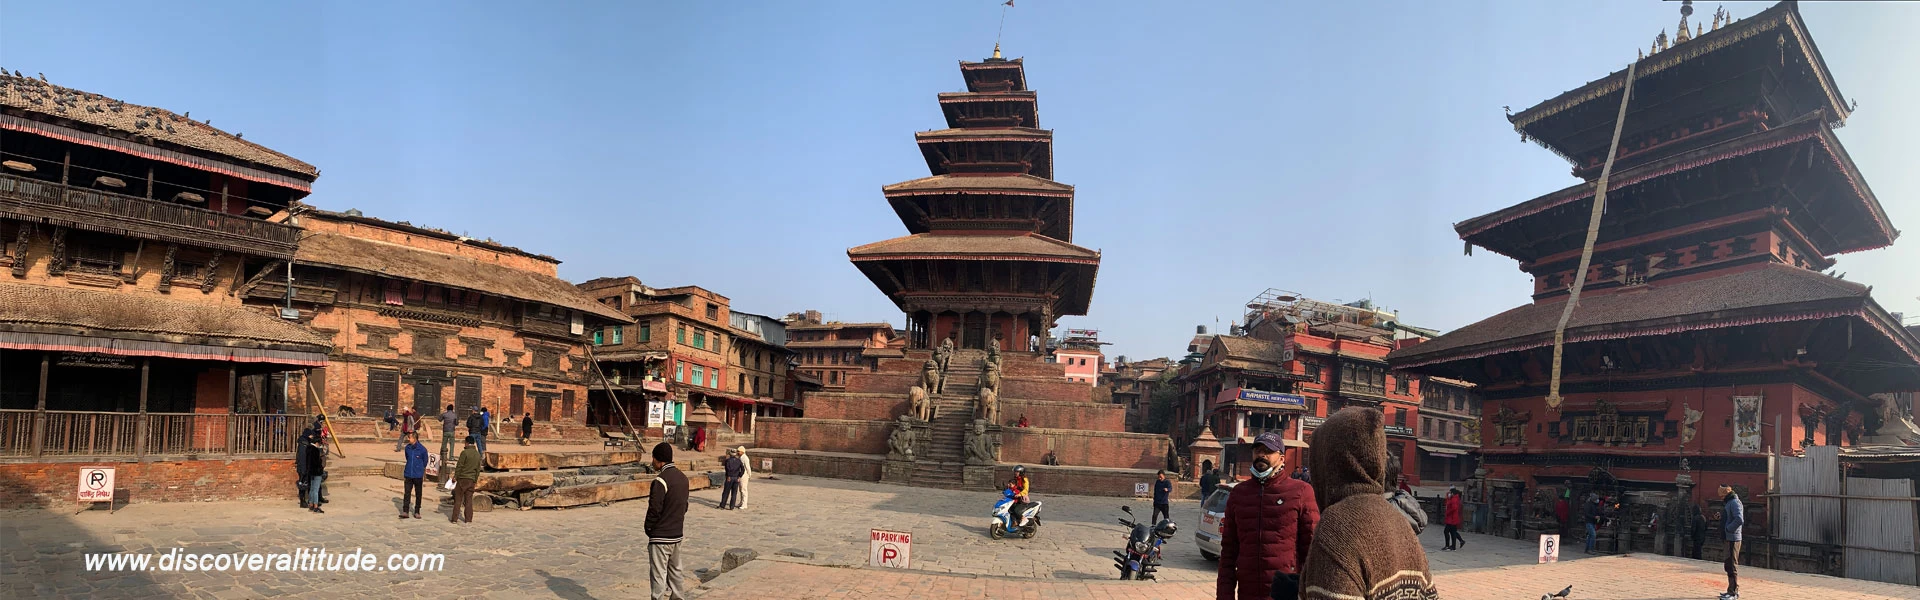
point(978, 477)
point(897, 471)
point(922, 437)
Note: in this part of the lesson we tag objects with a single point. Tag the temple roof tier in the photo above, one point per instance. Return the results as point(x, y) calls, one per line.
point(995, 75)
point(1823, 192)
point(1763, 294)
point(1008, 150)
point(990, 109)
point(1764, 67)
point(970, 202)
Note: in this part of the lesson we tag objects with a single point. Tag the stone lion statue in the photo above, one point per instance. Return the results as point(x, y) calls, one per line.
point(930, 376)
point(989, 405)
point(917, 399)
point(900, 442)
point(990, 378)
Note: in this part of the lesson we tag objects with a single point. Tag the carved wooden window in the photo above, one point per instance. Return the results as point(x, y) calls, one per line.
point(546, 360)
point(476, 348)
point(97, 254)
point(429, 346)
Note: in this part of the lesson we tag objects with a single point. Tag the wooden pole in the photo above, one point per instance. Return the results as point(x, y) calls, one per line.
point(323, 419)
point(66, 165)
point(223, 197)
point(40, 410)
point(141, 428)
point(233, 402)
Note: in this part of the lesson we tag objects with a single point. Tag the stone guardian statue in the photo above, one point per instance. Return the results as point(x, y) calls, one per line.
point(900, 442)
point(980, 447)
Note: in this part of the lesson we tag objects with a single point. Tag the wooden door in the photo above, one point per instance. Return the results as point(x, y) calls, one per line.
point(466, 393)
point(542, 406)
point(566, 404)
point(516, 400)
point(426, 399)
point(383, 391)
point(973, 331)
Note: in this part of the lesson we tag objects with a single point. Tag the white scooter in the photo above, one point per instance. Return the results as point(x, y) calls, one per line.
point(1003, 518)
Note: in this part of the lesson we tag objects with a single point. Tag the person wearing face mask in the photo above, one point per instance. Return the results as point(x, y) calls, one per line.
point(1268, 526)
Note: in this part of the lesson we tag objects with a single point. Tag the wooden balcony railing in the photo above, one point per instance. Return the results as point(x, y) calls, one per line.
point(143, 217)
point(63, 434)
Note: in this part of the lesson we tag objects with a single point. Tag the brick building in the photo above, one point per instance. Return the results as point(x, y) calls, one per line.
point(832, 350)
point(762, 364)
point(679, 354)
point(1295, 362)
point(1078, 352)
point(126, 230)
point(424, 318)
point(1449, 434)
point(1132, 384)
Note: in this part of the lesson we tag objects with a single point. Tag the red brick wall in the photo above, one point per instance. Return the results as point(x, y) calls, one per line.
point(861, 407)
point(1084, 448)
point(54, 484)
point(1065, 415)
point(823, 435)
point(818, 465)
point(1091, 482)
point(1055, 388)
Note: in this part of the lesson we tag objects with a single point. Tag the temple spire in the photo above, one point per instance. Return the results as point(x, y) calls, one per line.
point(996, 49)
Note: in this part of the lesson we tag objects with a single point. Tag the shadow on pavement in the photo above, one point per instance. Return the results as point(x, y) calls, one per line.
point(564, 587)
point(43, 554)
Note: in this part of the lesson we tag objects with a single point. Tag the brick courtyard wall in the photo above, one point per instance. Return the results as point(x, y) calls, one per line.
point(1066, 415)
point(54, 484)
point(855, 407)
point(859, 467)
point(1092, 482)
point(821, 435)
point(1084, 448)
point(364, 429)
point(1056, 388)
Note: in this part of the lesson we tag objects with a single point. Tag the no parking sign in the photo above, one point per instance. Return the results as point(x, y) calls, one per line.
point(1549, 548)
point(96, 484)
point(893, 549)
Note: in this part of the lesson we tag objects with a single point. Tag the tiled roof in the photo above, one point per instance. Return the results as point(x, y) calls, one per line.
point(1022, 183)
point(837, 325)
point(1764, 294)
point(103, 314)
point(405, 262)
point(1250, 349)
point(59, 102)
point(829, 344)
point(965, 245)
point(968, 133)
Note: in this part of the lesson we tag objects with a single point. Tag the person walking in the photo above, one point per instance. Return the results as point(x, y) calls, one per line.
point(700, 439)
point(316, 474)
point(465, 475)
point(1563, 512)
point(1733, 516)
point(449, 424)
point(413, 476)
point(1698, 528)
point(746, 476)
point(1209, 482)
point(1360, 549)
point(526, 430)
point(1403, 499)
point(1270, 521)
point(1162, 493)
point(477, 430)
point(666, 513)
point(409, 424)
point(1592, 520)
point(1450, 516)
point(730, 493)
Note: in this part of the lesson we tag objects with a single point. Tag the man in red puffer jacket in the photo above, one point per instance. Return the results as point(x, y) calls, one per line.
point(1268, 525)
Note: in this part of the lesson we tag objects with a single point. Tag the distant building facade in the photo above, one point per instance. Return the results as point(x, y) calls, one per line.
point(831, 350)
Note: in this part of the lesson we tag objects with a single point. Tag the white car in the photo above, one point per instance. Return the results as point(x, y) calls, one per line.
point(1213, 514)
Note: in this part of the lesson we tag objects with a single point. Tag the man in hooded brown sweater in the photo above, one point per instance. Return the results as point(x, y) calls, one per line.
point(1362, 548)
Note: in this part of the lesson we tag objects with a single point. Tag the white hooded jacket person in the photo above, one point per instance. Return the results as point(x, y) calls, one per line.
point(746, 475)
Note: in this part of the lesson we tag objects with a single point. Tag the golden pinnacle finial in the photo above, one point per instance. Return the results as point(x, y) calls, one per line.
point(1685, 33)
point(996, 49)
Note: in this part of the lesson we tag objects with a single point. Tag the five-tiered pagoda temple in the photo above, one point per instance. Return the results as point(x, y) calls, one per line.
point(1709, 332)
point(989, 252)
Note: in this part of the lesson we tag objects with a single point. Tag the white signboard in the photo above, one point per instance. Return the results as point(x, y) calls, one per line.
point(1142, 489)
point(1550, 548)
point(766, 464)
point(96, 484)
point(433, 465)
point(892, 549)
point(656, 413)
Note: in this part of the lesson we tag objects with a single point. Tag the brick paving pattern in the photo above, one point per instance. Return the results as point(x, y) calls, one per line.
point(599, 552)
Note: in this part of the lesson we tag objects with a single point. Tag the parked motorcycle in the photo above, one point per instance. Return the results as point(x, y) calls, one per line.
point(1141, 559)
point(1004, 522)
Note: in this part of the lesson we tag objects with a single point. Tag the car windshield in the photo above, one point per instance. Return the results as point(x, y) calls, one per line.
point(1217, 502)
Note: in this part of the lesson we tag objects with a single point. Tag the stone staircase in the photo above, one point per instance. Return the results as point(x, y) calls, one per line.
point(953, 414)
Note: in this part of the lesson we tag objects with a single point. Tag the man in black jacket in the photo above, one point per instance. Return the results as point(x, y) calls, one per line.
point(666, 513)
point(730, 493)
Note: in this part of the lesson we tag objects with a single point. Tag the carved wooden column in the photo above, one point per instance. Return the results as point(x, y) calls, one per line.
point(168, 268)
point(40, 409)
point(57, 261)
point(140, 427)
point(20, 260)
point(211, 275)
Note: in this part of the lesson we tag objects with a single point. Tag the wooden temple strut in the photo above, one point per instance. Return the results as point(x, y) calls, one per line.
point(1586, 251)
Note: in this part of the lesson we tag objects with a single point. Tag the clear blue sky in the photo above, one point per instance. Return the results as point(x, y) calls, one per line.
point(1218, 149)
